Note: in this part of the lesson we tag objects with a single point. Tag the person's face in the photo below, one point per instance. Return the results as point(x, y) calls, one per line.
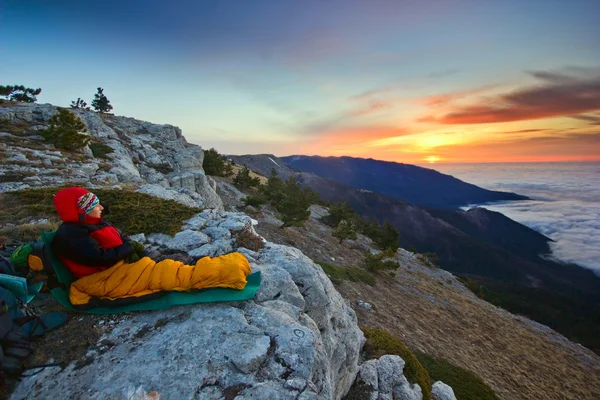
point(96, 211)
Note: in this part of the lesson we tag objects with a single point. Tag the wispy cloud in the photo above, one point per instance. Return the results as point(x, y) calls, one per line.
point(557, 95)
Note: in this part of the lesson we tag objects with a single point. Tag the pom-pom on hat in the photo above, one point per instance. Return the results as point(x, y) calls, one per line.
point(73, 204)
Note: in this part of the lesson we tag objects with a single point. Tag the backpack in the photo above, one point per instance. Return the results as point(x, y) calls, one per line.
point(32, 261)
point(18, 323)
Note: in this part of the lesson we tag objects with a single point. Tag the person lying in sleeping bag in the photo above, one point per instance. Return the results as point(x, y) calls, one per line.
point(96, 253)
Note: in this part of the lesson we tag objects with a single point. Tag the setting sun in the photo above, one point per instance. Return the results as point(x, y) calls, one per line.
point(432, 159)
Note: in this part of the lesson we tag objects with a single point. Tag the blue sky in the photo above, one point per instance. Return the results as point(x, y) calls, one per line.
point(408, 81)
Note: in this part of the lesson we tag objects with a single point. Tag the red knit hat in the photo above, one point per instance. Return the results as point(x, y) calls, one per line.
point(73, 204)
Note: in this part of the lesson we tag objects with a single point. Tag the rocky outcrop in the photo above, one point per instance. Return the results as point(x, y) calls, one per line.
point(383, 380)
point(155, 158)
point(297, 339)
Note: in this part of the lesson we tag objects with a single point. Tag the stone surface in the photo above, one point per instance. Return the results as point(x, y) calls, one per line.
point(441, 391)
point(297, 339)
point(155, 157)
point(386, 381)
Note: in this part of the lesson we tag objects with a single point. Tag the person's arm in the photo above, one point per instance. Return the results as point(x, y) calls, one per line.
point(84, 249)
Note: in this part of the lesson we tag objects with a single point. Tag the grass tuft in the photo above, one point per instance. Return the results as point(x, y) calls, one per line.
point(466, 385)
point(340, 274)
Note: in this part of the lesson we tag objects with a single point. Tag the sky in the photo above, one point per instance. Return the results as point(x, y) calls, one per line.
point(405, 81)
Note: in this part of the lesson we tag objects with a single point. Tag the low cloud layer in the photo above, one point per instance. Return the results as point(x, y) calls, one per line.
point(566, 206)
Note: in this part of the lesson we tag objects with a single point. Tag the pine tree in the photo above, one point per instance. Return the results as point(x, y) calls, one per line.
point(79, 104)
point(65, 131)
point(100, 102)
point(216, 164)
point(339, 212)
point(295, 203)
point(345, 230)
point(243, 180)
point(387, 237)
point(20, 93)
point(274, 189)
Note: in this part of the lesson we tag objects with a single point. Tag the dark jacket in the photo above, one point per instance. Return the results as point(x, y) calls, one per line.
point(89, 248)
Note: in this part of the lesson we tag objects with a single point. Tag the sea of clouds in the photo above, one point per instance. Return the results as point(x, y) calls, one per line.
point(565, 205)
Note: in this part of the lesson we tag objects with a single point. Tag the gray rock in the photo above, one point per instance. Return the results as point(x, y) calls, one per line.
point(441, 391)
point(386, 381)
point(364, 304)
point(214, 249)
point(187, 240)
point(140, 237)
point(142, 153)
point(217, 233)
point(195, 223)
point(269, 349)
point(337, 321)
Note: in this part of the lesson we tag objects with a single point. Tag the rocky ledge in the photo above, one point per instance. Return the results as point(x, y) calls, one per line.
point(297, 339)
point(156, 159)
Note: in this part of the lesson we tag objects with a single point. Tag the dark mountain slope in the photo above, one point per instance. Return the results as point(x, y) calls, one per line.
point(415, 185)
point(499, 255)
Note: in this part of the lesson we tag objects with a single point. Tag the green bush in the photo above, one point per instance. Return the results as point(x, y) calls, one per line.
point(65, 131)
point(243, 180)
point(274, 188)
point(387, 237)
point(344, 231)
point(340, 274)
point(377, 262)
point(295, 203)
point(100, 150)
point(255, 201)
point(380, 342)
point(466, 385)
point(216, 164)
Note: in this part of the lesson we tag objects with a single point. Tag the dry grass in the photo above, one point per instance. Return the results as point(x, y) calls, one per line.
point(429, 311)
point(237, 168)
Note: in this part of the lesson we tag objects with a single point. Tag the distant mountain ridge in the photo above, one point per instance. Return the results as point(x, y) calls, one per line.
point(410, 183)
point(507, 259)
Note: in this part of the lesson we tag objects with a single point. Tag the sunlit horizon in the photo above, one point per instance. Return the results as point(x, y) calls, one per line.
point(413, 82)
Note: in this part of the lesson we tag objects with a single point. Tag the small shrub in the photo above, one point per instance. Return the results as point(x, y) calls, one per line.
point(243, 180)
point(387, 237)
point(294, 203)
point(245, 238)
point(65, 131)
point(340, 274)
point(255, 201)
point(377, 262)
point(380, 342)
point(100, 150)
point(344, 231)
point(216, 164)
point(466, 385)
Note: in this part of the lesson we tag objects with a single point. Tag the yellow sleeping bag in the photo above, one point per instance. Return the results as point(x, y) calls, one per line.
point(146, 277)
